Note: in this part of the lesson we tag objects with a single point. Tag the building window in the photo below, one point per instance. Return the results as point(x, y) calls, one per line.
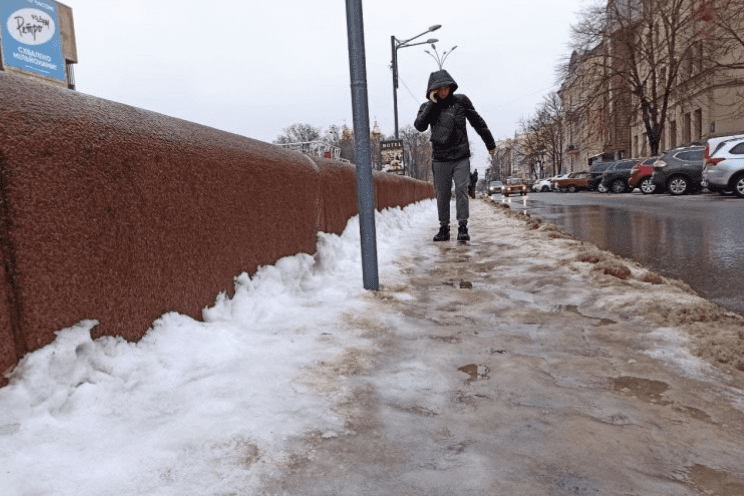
point(699, 124)
point(686, 129)
point(635, 146)
point(673, 134)
point(70, 74)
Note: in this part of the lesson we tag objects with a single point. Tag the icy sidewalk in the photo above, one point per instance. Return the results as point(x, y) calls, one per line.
point(526, 362)
point(520, 363)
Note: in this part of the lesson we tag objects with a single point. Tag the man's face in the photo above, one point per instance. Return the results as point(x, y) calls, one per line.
point(442, 92)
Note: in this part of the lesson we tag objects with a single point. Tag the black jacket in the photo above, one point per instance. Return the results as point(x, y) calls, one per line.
point(449, 135)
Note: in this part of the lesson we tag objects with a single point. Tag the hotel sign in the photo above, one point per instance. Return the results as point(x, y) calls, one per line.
point(30, 37)
point(392, 156)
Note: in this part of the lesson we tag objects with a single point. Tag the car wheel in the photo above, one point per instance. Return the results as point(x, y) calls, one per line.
point(618, 186)
point(601, 188)
point(647, 186)
point(545, 189)
point(678, 185)
point(739, 186)
point(572, 188)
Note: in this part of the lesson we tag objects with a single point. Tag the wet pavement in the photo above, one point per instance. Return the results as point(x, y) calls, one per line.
point(488, 368)
point(698, 238)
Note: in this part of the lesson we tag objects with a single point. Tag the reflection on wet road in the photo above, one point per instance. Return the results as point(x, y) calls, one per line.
point(696, 239)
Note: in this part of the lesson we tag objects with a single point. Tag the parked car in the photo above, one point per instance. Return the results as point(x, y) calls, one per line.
point(595, 176)
point(541, 185)
point(495, 187)
point(574, 182)
point(515, 185)
point(723, 168)
point(640, 176)
point(679, 170)
point(615, 178)
point(553, 185)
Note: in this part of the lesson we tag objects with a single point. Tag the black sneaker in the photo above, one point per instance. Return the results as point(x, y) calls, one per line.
point(443, 234)
point(462, 233)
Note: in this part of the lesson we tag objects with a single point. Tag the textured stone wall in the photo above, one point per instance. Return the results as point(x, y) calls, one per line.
point(118, 214)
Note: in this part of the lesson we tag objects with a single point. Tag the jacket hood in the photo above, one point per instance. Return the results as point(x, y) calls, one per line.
point(439, 79)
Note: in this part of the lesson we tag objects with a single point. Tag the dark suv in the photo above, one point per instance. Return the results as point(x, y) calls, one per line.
point(615, 178)
point(679, 170)
point(595, 175)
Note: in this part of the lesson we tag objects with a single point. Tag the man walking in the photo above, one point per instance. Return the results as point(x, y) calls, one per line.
point(446, 113)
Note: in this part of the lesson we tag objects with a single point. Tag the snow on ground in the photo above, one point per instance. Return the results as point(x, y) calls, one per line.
point(192, 406)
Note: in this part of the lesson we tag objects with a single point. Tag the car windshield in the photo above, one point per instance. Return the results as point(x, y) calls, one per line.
point(514, 180)
point(601, 167)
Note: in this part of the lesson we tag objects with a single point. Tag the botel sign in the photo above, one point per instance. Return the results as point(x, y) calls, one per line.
point(392, 156)
point(30, 37)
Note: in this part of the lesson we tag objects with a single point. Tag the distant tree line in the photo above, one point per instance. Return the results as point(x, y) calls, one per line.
point(416, 145)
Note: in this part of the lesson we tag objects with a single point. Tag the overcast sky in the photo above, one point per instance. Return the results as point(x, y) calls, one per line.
point(256, 67)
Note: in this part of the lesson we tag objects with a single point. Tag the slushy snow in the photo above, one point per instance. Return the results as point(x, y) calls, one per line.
point(207, 407)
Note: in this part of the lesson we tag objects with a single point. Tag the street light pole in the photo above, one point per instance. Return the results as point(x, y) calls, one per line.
point(395, 45)
point(360, 112)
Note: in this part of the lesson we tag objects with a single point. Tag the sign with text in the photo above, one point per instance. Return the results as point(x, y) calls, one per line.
point(30, 37)
point(392, 156)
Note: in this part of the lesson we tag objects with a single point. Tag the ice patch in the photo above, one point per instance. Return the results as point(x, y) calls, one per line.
point(672, 348)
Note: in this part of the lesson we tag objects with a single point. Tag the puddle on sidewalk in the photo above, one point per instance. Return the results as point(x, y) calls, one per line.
point(646, 390)
point(717, 482)
point(475, 371)
point(695, 413)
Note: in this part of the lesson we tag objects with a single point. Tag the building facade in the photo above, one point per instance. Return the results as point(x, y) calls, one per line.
point(689, 85)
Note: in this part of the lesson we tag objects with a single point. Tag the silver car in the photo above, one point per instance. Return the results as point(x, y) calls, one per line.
point(723, 165)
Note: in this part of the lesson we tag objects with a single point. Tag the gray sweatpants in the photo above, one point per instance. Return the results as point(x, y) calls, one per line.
point(444, 172)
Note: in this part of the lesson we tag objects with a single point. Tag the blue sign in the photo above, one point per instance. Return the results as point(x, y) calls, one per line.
point(30, 37)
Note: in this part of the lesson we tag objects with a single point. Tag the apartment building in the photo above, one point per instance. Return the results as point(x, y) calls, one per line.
point(673, 72)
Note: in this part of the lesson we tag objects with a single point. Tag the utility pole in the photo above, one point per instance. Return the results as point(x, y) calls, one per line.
point(365, 181)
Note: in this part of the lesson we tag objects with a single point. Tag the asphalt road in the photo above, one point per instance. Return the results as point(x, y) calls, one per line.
point(697, 238)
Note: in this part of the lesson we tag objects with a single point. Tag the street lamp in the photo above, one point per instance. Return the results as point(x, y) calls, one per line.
point(396, 44)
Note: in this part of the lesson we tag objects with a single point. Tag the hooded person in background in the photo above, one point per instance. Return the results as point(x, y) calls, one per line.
point(446, 113)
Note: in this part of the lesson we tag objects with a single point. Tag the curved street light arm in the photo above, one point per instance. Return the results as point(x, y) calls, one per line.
point(432, 28)
point(431, 40)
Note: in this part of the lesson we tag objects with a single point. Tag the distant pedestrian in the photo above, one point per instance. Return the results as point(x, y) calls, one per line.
point(446, 113)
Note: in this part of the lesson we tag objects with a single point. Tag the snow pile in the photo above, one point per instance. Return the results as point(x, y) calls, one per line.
point(627, 288)
point(176, 412)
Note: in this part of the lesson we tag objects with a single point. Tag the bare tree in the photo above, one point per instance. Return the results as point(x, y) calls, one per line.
point(417, 150)
point(501, 164)
point(724, 21)
point(637, 55)
point(542, 146)
point(298, 133)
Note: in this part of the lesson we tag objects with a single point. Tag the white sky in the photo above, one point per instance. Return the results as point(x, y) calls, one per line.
point(256, 67)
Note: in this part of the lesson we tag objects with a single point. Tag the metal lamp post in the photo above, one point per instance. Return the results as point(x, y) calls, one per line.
point(396, 44)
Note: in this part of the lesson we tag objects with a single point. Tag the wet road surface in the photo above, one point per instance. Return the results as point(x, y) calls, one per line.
point(489, 373)
point(698, 238)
